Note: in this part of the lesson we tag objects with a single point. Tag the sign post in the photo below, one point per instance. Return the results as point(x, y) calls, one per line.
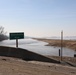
point(17, 43)
point(19, 35)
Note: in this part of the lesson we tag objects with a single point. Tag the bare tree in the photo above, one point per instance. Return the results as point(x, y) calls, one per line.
point(2, 30)
point(2, 33)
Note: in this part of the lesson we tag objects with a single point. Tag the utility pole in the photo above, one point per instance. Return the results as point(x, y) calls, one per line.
point(61, 44)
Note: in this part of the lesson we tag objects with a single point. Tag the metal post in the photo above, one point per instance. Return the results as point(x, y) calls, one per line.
point(61, 44)
point(16, 43)
point(59, 52)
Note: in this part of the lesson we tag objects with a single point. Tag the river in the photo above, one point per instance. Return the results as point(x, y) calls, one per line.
point(37, 47)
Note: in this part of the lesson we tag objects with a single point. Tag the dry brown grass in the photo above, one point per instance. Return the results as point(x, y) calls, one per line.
point(66, 43)
point(69, 59)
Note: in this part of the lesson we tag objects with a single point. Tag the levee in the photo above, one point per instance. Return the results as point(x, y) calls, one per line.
point(24, 54)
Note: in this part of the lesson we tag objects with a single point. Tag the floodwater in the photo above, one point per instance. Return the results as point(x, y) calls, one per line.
point(38, 47)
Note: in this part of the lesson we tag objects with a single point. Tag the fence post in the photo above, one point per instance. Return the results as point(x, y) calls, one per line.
point(59, 52)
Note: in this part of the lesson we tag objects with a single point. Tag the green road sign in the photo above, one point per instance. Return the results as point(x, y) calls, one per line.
point(19, 35)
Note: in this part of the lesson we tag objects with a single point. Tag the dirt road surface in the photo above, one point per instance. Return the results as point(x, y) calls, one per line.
point(14, 66)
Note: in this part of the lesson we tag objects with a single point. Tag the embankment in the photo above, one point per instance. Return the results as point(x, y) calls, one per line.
point(24, 54)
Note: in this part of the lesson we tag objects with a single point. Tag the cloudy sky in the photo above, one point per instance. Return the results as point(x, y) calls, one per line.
point(39, 18)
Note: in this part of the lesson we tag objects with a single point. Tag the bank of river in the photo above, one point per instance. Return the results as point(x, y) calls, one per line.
point(71, 44)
